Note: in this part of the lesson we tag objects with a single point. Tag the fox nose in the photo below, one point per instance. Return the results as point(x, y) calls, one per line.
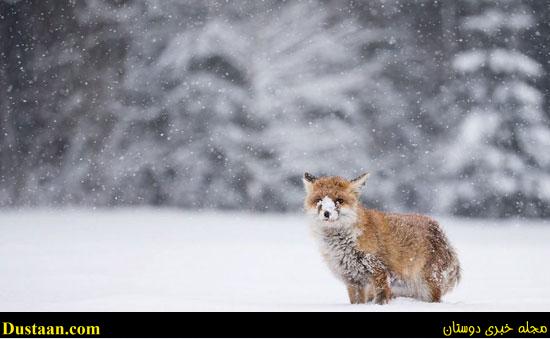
point(326, 214)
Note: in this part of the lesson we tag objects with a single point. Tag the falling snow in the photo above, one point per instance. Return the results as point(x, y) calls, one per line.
point(224, 105)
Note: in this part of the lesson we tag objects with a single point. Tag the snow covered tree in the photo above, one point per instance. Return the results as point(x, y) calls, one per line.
point(215, 104)
point(309, 83)
point(231, 111)
point(36, 110)
point(8, 133)
point(536, 44)
point(497, 161)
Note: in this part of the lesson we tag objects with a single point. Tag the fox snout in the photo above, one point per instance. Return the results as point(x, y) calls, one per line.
point(327, 209)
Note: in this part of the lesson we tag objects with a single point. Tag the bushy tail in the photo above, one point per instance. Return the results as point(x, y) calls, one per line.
point(454, 273)
point(444, 259)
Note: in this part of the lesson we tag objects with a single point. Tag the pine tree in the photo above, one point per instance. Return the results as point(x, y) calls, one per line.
point(40, 55)
point(215, 118)
point(498, 150)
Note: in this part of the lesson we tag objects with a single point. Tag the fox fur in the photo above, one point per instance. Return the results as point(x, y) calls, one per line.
point(378, 255)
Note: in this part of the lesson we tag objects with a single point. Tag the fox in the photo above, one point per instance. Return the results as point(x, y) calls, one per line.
point(378, 255)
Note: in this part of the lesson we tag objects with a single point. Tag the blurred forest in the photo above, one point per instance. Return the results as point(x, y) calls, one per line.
point(224, 104)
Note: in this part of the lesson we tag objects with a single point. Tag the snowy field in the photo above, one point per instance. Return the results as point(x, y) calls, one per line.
point(169, 260)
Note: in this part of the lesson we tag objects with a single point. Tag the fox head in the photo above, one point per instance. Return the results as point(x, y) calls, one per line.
point(332, 199)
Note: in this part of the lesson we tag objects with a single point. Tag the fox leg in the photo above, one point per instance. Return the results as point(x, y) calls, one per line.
point(356, 294)
point(369, 293)
point(382, 291)
point(434, 290)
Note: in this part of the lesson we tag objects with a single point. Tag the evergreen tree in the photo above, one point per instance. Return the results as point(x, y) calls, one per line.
point(213, 104)
point(496, 159)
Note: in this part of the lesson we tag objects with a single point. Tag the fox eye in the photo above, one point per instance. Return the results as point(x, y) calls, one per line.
point(340, 201)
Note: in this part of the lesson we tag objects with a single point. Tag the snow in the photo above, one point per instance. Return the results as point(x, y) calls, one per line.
point(521, 92)
point(492, 21)
point(224, 104)
point(472, 135)
point(510, 61)
point(534, 140)
point(172, 260)
point(469, 61)
point(328, 205)
point(500, 61)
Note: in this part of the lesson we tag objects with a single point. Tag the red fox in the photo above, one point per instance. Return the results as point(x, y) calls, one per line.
point(378, 255)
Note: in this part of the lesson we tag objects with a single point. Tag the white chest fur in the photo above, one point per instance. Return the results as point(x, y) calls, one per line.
point(338, 245)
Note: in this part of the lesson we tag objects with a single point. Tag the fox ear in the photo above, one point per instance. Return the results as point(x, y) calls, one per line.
point(359, 182)
point(308, 180)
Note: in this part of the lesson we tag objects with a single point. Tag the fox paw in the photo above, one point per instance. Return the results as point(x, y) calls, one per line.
point(382, 297)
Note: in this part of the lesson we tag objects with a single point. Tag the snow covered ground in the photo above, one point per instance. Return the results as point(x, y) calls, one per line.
point(157, 260)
